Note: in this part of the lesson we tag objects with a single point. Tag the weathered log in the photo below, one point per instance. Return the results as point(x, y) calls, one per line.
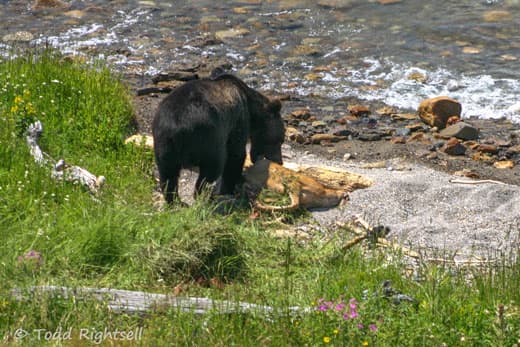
point(60, 169)
point(153, 90)
point(175, 76)
point(127, 301)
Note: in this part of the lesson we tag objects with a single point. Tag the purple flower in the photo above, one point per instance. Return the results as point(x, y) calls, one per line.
point(340, 306)
point(360, 326)
point(32, 257)
point(322, 308)
point(346, 316)
point(353, 314)
point(372, 327)
point(352, 303)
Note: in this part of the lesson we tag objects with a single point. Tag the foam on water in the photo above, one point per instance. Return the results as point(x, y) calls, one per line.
point(481, 96)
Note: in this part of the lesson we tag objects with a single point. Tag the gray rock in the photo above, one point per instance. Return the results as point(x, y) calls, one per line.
point(460, 130)
point(402, 132)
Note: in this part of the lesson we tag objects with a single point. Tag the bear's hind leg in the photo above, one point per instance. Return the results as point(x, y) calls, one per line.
point(208, 174)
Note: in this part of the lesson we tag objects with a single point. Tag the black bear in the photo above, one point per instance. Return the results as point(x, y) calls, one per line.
point(206, 123)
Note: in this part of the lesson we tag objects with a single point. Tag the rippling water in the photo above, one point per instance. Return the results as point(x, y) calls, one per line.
point(398, 53)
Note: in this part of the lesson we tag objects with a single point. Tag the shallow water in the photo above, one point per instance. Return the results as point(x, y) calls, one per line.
point(399, 53)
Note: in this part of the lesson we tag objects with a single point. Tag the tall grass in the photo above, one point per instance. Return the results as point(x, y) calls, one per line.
point(57, 233)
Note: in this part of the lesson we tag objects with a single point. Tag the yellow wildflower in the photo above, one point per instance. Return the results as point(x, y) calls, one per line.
point(336, 331)
point(326, 339)
point(26, 93)
point(18, 99)
point(365, 343)
point(30, 108)
point(14, 109)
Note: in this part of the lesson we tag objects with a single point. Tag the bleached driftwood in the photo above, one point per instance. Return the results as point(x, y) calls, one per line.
point(127, 301)
point(60, 169)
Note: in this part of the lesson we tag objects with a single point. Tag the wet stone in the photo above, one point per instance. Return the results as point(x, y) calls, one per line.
point(20, 36)
point(369, 137)
point(402, 131)
point(340, 131)
point(359, 110)
point(319, 124)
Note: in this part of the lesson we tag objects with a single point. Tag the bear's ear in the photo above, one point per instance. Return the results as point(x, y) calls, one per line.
point(274, 106)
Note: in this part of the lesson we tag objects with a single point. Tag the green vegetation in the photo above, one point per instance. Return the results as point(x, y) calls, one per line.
point(57, 233)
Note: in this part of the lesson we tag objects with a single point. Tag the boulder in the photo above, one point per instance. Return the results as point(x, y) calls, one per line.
point(436, 111)
point(460, 130)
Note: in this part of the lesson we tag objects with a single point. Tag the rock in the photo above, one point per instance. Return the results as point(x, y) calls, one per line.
point(512, 151)
point(415, 126)
point(416, 137)
point(452, 120)
point(466, 173)
point(347, 156)
point(359, 110)
point(319, 124)
point(460, 130)
point(418, 77)
point(40, 4)
point(453, 147)
point(403, 116)
point(20, 36)
point(75, 14)
point(306, 50)
point(340, 4)
point(436, 111)
point(292, 134)
point(471, 50)
point(139, 140)
point(340, 131)
point(398, 140)
point(319, 138)
point(487, 148)
point(504, 164)
point(388, 2)
point(302, 113)
point(479, 156)
point(230, 34)
point(369, 136)
point(402, 132)
point(497, 16)
point(386, 111)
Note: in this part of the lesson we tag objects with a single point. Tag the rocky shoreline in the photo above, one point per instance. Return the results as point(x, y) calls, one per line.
point(352, 130)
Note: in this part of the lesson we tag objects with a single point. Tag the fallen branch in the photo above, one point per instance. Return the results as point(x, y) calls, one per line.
point(60, 169)
point(126, 301)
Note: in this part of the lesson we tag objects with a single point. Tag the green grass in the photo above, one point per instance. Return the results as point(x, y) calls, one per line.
point(118, 239)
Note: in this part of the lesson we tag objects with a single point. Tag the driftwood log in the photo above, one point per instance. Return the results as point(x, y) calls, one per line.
point(60, 170)
point(127, 301)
